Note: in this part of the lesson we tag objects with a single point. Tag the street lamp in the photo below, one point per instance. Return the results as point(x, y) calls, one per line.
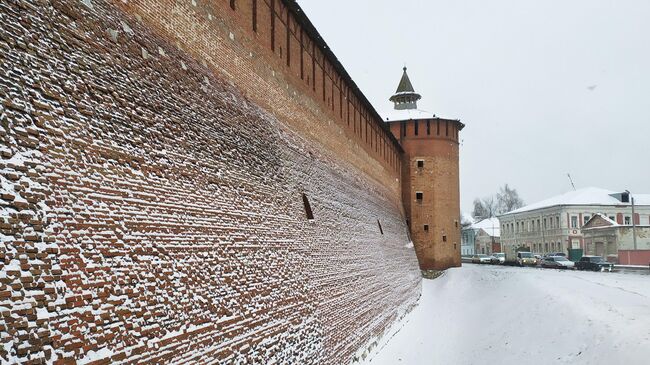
point(633, 222)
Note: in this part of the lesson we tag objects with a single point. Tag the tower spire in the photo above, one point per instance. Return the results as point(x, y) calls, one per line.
point(405, 97)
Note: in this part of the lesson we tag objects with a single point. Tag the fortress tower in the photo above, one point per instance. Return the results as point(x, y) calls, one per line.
point(430, 178)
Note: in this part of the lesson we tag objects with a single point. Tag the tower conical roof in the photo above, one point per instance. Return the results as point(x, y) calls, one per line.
point(405, 83)
point(405, 97)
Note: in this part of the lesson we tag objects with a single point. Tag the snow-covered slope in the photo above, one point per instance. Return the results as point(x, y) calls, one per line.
point(504, 315)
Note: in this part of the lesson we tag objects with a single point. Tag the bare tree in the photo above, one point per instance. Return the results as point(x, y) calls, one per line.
point(508, 200)
point(484, 208)
point(490, 205)
point(479, 212)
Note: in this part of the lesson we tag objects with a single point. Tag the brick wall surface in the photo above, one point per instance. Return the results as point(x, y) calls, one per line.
point(151, 212)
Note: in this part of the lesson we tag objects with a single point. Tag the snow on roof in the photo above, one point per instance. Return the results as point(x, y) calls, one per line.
point(606, 218)
point(587, 226)
point(585, 196)
point(491, 226)
point(465, 217)
point(406, 114)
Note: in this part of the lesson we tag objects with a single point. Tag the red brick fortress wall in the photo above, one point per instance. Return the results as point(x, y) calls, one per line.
point(150, 212)
point(436, 146)
point(280, 66)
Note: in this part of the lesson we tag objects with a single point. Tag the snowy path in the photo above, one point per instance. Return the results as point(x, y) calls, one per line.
point(508, 315)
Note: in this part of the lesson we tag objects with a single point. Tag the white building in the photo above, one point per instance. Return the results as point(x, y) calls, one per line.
point(554, 225)
point(617, 243)
point(481, 237)
point(467, 235)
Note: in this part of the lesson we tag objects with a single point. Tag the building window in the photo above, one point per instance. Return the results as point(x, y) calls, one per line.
point(426, 228)
point(444, 238)
point(418, 196)
point(420, 164)
point(586, 219)
point(416, 125)
point(627, 221)
point(557, 222)
point(428, 128)
point(232, 4)
point(574, 221)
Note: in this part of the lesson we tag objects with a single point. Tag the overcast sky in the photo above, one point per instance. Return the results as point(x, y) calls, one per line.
point(545, 87)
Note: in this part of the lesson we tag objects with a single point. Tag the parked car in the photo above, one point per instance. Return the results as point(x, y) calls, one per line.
point(526, 259)
point(498, 258)
point(594, 263)
point(556, 254)
point(481, 259)
point(557, 262)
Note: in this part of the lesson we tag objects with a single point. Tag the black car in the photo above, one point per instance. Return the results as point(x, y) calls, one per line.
point(594, 263)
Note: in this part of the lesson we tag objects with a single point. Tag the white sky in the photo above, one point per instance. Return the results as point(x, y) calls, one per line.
point(517, 73)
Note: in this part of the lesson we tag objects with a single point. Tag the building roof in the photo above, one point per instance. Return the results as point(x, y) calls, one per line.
point(405, 97)
point(597, 221)
point(466, 217)
point(585, 196)
point(491, 226)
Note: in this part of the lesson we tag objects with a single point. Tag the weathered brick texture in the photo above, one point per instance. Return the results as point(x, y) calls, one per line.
point(152, 213)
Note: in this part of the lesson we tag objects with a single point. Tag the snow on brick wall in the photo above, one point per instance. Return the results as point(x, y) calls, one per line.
point(150, 213)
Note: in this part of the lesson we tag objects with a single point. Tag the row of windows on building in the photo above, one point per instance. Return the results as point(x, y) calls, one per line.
point(536, 225)
point(533, 225)
point(547, 247)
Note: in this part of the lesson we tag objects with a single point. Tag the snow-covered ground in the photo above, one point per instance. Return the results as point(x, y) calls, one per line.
point(509, 315)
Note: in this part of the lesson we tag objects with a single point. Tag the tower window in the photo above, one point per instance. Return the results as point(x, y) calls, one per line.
point(416, 124)
point(420, 164)
point(418, 196)
point(308, 211)
point(232, 4)
point(426, 228)
point(428, 127)
point(444, 238)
